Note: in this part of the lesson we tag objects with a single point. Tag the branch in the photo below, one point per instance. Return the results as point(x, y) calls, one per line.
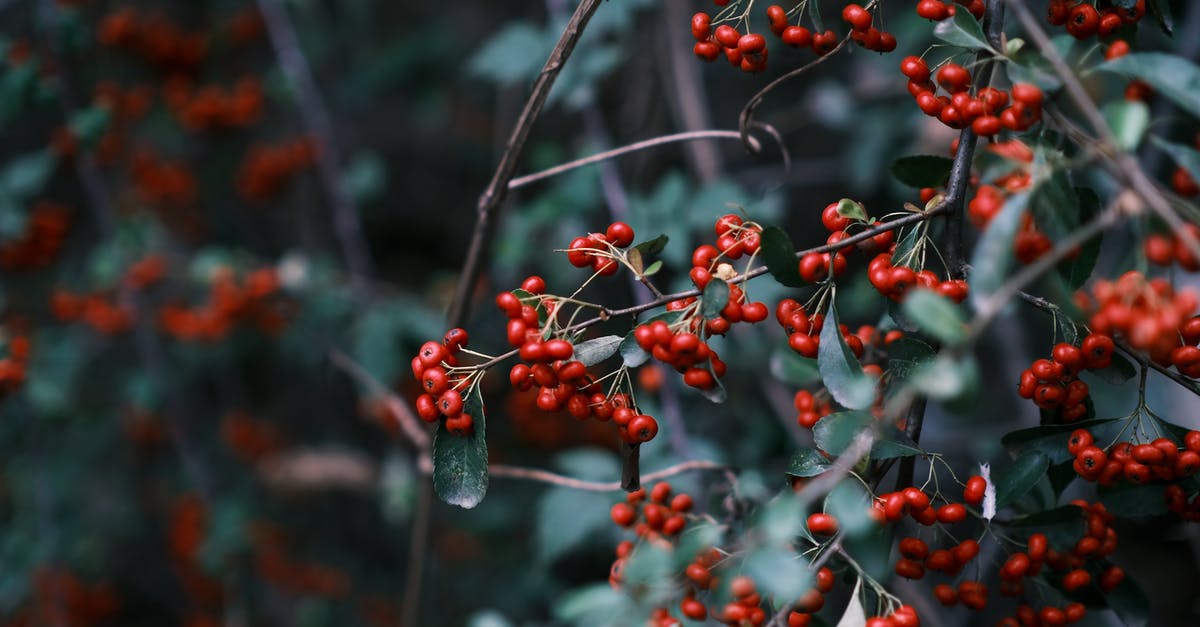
point(522, 181)
point(746, 117)
point(1186, 383)
point(316, 119)
point(545, 476)
point(410, 425)
point(912, 428)
point(493, 196)
point(1127, 166)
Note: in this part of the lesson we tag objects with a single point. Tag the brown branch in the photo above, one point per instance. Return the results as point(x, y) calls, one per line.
point(1184, 382)
point(1128, 169)
point(746, 117)
point(522, 181)
point(493, 196)
point(545, 476)
point(410, 424)
point(315, 115)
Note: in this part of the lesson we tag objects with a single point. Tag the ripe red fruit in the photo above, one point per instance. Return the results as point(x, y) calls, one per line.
point(953, 77)
point(619, 234)
point(822, 524)
point(797, 37)
point(1083, 21)
point(974, 490)
point(751, 43)
point(727, 36)
point(701, 26)
point(858, 17)
point(933, 10)
point(623, 514)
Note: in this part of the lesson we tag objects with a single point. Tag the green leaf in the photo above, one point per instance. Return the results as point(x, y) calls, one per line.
point(852, 210)
point(778, 572)
point(922, 170)
point(715, 394)
point(1185, 157)
point(565, 518)
point(907, 354)
point(1134, 501)
point(894, 443)
point(946, 378)
point(594, 606)
point(596, 350)
point(1077, 271)
point(780, 519)
point(652, 246)
point(835, 432)
point(653, 268)
point(1171, 76)
point(993, 255)
point(1128, 120)
point(460, 472)
point(1025, 472)
point(808, 462)
point(848, 501)
point(714, 298)
point(1130, 603)
point(25, 175)
point(840, 370)
point(1162, 16)
point(89, 124)
point(1067, 514)
point(1051, 440)
point(513, 54)
point(1054, 204)
point(632, 355)
point(792, 369)
point(962, 30)
point(1030, 66)
point(935, 315)
point(780, 256)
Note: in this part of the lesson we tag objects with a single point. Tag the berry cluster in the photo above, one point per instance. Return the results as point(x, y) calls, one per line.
point(810, 408)
point(1030, 243)
point(804, 330)
point(1158, 460)
point(12, 365)
point(41, 241)
point(864, 33)
point(98, 311)
point(1150, 315)
point(1054, 385)
point(266, 168)
point(937, 10)
point(748, 52)
point(254, 301)
point(434, 368)
point(896, 281)
point(682, 350)
point(1084, 20)
point(594, 249)
point(987, 112)
point(661, 516)
point(812, 601)
point(162, 183)
point(214, 107)
point(154, 38)
point(1163, 249)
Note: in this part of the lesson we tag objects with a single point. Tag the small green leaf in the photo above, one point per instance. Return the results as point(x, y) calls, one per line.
point(780, 519)
point(793, 369)
point(840, 370)
point(1025, 472)
point(848, 501)
point(894, 443)
point(714, 298)
point(654, 268)
point(1163, 17)
point(852, 210)
point(962, 30)
point(935, 315)
point(993, 255)
point(1171, 76)
point(632, 355)
point(808, 462)
point(89, 124)
point(780, 256)
point(596, 350)
point(25, 175)
point(922, 170)
point(780, 573)
point(835, 432)
point(652, 246)
point(1128, 120)
point(460, 471)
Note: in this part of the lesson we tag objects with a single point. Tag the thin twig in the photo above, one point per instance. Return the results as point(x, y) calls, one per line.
point(410, 425)
point(315, 115)
point(545, 476)
point(912, 428)
point(522, 181)
point(493, 196)
point(1183, 381)
point(1127, 166)
point(746, 117)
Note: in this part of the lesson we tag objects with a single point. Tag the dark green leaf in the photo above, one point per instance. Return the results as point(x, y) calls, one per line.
point(565, 518)
point(935, 315)
point(1185, 157)
point(596, 350)
point(715, 394)
point(1029, 66)
point(1130, 603)
point(652, 246)
point(714, 298)
point(25, 175)
point(848, 501)
point(460, 472)
point(1162, 16)
point(905, 355)
point(632, 355)
point(1066, 327)
point(1128, 120)
point(946, 378)
point(922, 170)
point(1051, 440)
point(1025, 472)
point(962, 30)
point(1118, 372)
point(782, 574)
point(793, 369)
point(808, 462)
point(1054, 205)
point(1077, 271)
point(780, 256)
point(993, 255)
point(89, 124)
point(1067, 514)
point(893, 443)
point(835, 432)
point(840, 370)
point(1171, 76)
point(1134, 501)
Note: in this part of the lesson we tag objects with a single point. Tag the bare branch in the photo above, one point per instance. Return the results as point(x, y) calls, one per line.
point(545, 476)
point(409, 423)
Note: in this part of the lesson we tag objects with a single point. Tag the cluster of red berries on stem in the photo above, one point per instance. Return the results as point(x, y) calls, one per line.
point(987, 112)
point(1150, 315)
point(1054, 385)
point(594, 249)
point(748, 51)
point(1084, 20)
point(1160, 459)
point(434, 368)
point(864, 33)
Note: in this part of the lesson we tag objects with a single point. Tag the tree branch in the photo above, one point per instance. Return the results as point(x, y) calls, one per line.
point(545, 476)
point(410, 425)
point(315, 115)
point(493, 196)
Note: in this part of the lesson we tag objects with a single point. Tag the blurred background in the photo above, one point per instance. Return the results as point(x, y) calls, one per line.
point(201, 201)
